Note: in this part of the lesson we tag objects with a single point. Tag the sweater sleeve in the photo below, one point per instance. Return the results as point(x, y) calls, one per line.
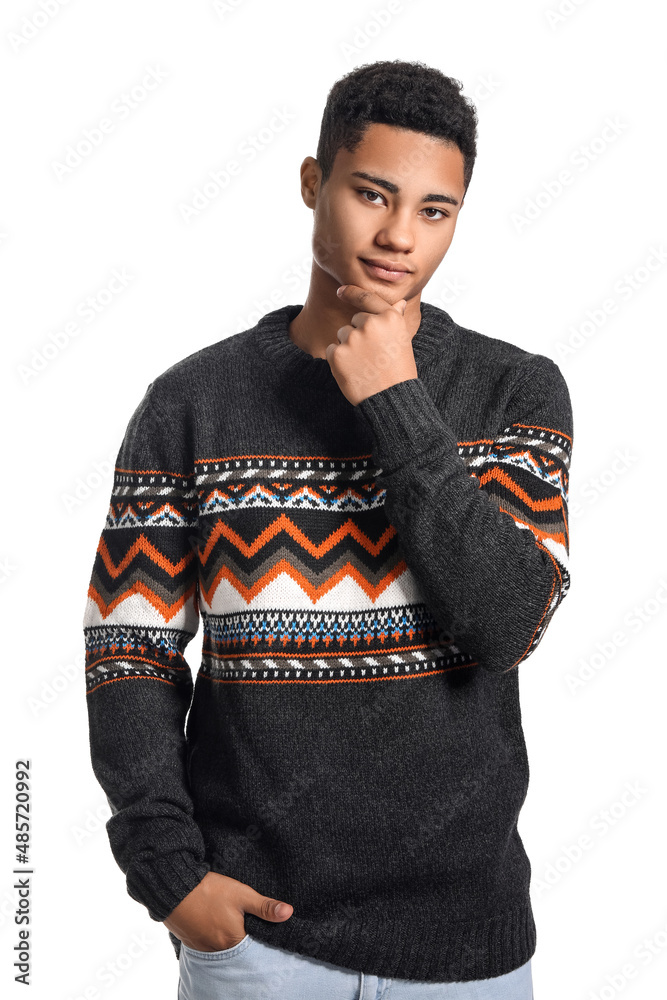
point(142, 610)
point(483, 525)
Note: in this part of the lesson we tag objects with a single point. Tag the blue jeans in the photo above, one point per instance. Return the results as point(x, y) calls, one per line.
point(253, 970)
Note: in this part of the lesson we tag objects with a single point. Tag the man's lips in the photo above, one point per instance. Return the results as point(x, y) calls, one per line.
point(388, 265)
point(387, 269)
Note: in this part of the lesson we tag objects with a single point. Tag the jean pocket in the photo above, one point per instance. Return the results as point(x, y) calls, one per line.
point(216, 956)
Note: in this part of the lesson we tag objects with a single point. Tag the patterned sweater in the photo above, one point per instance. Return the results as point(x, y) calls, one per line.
point(369, 579)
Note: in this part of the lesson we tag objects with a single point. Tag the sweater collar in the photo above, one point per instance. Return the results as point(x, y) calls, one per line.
point(271, 334)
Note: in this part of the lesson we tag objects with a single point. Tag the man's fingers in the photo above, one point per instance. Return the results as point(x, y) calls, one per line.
point(364, 298)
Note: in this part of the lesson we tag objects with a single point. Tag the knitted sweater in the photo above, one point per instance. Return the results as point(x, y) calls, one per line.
point(369, 579)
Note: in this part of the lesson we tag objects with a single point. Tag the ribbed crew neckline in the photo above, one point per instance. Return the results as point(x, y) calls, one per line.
point(271, 334)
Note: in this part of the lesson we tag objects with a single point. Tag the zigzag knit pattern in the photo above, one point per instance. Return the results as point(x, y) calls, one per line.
point(271, 603)
point(143, 601)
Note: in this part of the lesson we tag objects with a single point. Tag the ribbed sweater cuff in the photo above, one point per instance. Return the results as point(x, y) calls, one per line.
point(405, 422)
point(161, 883)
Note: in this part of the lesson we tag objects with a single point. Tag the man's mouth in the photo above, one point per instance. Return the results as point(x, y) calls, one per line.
point(385, 269)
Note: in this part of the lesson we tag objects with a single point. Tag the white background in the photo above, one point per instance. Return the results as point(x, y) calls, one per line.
point(544, 87)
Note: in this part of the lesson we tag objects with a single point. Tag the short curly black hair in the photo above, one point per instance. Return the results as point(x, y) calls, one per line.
point(409, 95)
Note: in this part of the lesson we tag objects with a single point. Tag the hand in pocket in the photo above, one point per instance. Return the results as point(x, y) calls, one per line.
point(210, 917)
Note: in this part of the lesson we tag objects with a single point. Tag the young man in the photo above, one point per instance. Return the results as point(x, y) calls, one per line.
point(367, 505)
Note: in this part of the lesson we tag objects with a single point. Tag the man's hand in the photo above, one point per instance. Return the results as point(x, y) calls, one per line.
point(375, 349)
point(210, 918)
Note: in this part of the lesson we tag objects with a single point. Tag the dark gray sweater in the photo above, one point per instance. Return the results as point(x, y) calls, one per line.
point(369, 579)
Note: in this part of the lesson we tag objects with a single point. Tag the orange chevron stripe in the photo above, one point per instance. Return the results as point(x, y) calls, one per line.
point(141, 544)
point(552, 503)
point(167, 611)
point(284, 523)
point(315, 593)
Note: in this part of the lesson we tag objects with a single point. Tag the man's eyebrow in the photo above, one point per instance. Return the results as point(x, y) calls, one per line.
point(394, 188)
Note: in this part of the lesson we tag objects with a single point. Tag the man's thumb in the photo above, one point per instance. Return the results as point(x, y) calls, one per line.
point(268, 908)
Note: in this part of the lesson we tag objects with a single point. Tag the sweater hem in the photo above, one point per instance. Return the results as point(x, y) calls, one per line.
point(416, 946)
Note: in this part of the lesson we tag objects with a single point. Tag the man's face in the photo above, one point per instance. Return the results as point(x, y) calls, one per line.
point(387, 218)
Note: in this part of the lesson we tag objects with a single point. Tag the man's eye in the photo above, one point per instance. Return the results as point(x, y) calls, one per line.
point(368, 191)
point(445, 215)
